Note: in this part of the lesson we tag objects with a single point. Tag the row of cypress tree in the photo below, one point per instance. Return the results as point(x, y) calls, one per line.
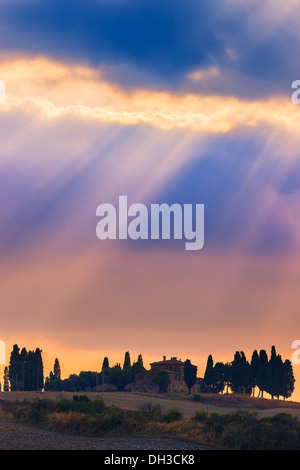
point(26, 370)
point(270, 375)
point(115, 375)
point(273, 376)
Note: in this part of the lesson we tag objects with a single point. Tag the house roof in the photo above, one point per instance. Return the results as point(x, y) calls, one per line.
point(172, 361)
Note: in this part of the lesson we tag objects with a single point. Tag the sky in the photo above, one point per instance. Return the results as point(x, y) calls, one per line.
point(165, 102)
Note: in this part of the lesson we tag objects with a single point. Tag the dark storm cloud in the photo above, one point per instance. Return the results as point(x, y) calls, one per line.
point(164, 37)
point(156, 43)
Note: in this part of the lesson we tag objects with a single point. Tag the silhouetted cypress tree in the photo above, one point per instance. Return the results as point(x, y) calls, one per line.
point(273, 376)
point(23, 378)
point(140, 361)
point(209, 374)
point(288, 382)
point(127, 362)
point(219, 377)
point(6, 380)
point(136, 367)
point(263, 372)
point(247, 386)
point(227, 374)
point(254, 370)
point(281, 379)
point(240, 378)
point(15, 369)
point(105, 364)
point(235, 373)
point(31, 372)
point(38, 361)
point(190, 374)
point(56, 369)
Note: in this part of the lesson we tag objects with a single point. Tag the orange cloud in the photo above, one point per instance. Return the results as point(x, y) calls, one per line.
point(54, 89)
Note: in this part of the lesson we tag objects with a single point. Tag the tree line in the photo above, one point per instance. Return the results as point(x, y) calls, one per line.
point(270, 375)
point(117, 375)
point(25, 371)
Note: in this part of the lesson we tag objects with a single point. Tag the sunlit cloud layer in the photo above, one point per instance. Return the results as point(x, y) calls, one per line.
point(82, 140)
point(55, 90)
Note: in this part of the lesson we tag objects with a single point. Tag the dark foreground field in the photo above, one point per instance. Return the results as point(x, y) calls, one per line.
point(210, 403)
point(127, 421)
point(19, 436)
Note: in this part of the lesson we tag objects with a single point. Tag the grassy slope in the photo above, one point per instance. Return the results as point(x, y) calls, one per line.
point(235, 430)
